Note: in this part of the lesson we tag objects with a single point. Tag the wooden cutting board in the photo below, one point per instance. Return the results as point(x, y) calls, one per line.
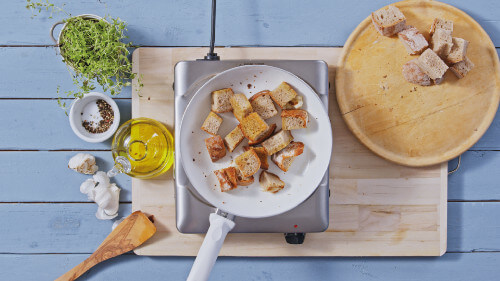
point(377, 208)
point(407, 123)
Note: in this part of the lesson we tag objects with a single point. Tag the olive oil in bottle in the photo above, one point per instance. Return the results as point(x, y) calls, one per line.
point(146, 145)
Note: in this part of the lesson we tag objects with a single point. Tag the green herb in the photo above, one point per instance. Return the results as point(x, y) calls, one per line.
point(39, 6)
point(94, 50)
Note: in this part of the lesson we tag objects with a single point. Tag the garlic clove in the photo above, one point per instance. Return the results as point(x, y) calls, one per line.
point(102, 215)
point(117, 222)
point(101, 178)
point(108, 200)
point(83, 163)
point(87, 187)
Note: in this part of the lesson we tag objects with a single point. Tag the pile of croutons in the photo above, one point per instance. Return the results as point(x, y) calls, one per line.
point(444, 51)
point(262, 141)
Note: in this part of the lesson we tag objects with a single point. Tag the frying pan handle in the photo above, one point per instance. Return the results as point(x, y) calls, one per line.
point(219, 227)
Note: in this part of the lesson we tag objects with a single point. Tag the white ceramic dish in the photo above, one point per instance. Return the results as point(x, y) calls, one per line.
point(75, 117)
point(305, 173)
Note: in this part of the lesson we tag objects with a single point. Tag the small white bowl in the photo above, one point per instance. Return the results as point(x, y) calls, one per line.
point(75, 117)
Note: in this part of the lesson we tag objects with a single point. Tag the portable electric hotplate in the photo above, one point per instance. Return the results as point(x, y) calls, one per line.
point(192, 211)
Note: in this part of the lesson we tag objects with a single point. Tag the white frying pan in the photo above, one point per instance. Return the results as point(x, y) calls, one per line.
point(300, 181)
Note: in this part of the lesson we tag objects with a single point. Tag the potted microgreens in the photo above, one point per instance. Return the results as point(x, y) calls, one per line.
point(93, 49)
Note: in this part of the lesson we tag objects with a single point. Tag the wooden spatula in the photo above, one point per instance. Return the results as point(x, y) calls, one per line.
point(130, 233)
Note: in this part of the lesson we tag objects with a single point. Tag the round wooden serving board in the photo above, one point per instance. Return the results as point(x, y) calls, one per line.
point(410, 124)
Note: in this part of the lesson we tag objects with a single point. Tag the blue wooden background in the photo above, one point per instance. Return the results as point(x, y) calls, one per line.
point(47, 226)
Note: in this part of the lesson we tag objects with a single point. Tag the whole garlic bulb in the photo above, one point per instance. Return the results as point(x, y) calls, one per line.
point(83, 163)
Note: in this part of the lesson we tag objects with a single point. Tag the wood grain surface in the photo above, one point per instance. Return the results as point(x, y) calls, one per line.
point(52, 226)
point(130, 233)
point(377, 208)
point(407, 123)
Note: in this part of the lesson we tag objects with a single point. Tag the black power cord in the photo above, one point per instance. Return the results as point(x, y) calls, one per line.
point(211, 55)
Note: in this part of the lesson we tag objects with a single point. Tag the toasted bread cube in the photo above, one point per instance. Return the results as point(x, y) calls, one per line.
point(253, 126)
point(234, 138)
point(441, 24)
point(270, 182)
point(413, 40)
point(243, 181)
point(284, 158)
point(295, 103)
point(241, 106)
point(248, 163)
point(413, 74)
point(438, 81)
point(220, 100)
point(263, 105)
point(227, 178)
point(261, 152)
point(441, 43)
point(264, 136)
point(388, 21)
point(212, 123)
point(283, 94)
point(294, 119)
point(458, 50)
point(277, 142)
point(430, 63)
point(215, 147)
point(460, 69)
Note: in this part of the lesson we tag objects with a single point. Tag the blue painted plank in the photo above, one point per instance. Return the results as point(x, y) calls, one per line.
point(473, 226)
point(452, 266)
point(53, 228)
point(239, 23)
point(490, 139)
point(477, 177)
point(73, 228)
point(41, 124)
point(49, 178)
point(35, 73)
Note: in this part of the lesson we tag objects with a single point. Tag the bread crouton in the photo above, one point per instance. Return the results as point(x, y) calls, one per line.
point(212, 123)
point(270, 182)
point(388, 21)
point(277, 142)
point(263, 104)
point(438, 23)
point(430, 63)
point(294, 119)
point(458, 50)
point(438, 81)
point(283, 94)
point(215, 147)
point(413, 74)
point(248, 163)
point(243, 181)
point(441, 42)
point(241, 106)
point(265, 136)
point(261, 152)
point(284, 158)
point(413, 40)
point(295, 103)
point(253, 126)
point(227, 178)
point(460, 69)
point(234, 138)
point(220, 100)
